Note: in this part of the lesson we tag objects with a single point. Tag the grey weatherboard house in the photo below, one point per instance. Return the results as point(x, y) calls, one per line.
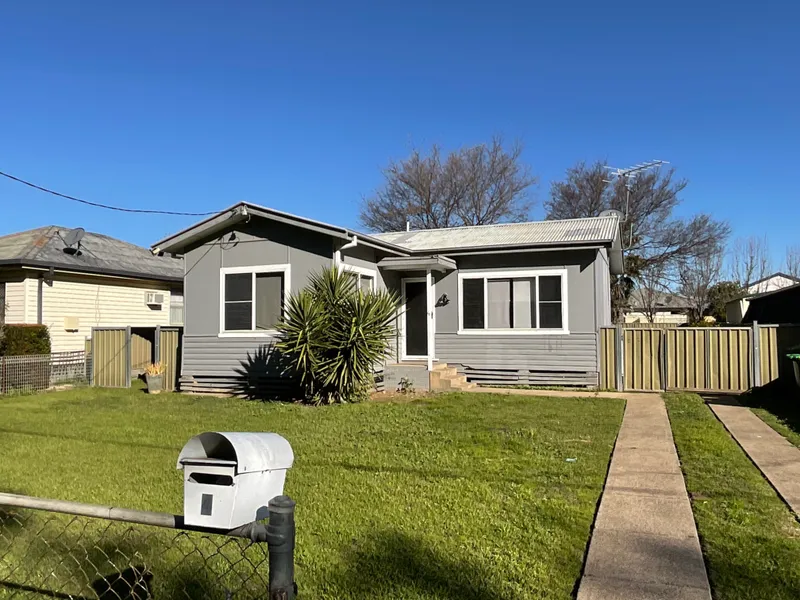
point(509, 303)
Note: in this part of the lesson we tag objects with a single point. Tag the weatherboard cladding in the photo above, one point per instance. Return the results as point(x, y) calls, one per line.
point(572, 231)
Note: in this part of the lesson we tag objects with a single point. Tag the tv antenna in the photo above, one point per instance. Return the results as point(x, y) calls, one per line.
point(626, 175)
point(72, 240)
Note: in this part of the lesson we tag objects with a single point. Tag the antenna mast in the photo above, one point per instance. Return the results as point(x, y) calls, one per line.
point(630, 173)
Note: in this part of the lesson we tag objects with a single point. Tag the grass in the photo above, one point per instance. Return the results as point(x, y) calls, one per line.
point(778, 405)
point(750, 539)
point(455, 496)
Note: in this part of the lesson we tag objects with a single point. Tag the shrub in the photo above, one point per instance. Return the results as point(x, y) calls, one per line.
point(24, 340)
point(333, 335)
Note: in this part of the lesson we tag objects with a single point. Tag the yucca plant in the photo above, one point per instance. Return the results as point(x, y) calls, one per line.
point(333, 335)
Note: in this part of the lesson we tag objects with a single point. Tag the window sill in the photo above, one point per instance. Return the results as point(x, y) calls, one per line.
point(513, 332)
point(262, 333)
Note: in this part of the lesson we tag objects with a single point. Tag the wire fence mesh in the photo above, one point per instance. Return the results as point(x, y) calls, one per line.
point(44, 554)
point(42, 371)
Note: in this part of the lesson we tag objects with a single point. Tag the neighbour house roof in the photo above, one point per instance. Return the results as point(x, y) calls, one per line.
point(775, 276)
point(594, 230)
point(776, 306)
point(99, 254)
point(663, 300)
point(769, 293)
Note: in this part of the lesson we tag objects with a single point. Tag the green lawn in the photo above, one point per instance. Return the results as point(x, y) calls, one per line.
point(778, 405)
point(750, 539)
point(456, 496)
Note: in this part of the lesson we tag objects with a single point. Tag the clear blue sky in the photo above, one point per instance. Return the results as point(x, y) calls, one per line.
point(196, 105)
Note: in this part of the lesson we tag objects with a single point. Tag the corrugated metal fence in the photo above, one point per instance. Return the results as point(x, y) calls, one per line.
point(122, 353)
point(724, 359)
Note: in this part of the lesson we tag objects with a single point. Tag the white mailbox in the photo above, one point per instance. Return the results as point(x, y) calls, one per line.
point(228, 478)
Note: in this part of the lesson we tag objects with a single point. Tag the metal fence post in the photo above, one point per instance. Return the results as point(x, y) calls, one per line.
point(756, 355)
point(280, 538)
point(619, 351)
point(91, 366)
point(128, 357)
point(157, 345)
point(665, 359)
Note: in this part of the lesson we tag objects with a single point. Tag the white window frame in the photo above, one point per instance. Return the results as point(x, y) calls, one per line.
point(512, 275)
point(361, 271)
point(285, 269)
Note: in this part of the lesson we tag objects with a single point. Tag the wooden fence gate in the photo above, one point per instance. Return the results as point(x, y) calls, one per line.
point(120, 354)
point(722, 359)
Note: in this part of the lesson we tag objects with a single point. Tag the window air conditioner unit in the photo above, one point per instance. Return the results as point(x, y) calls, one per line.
point(154, 298)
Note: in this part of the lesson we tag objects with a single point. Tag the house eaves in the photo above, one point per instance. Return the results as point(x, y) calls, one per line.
point(89, 270)
point(243, 211)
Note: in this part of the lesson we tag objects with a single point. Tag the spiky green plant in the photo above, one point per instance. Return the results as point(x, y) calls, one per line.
point(333, 335)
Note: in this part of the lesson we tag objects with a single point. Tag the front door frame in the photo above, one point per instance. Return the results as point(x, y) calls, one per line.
point(429, 321)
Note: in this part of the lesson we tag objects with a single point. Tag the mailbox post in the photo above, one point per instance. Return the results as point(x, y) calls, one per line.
point(229, 478)
point(280, 537)
point(231, 481)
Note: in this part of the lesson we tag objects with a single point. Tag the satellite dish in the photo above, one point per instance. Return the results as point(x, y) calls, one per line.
point(72, 239)
point(612, 212)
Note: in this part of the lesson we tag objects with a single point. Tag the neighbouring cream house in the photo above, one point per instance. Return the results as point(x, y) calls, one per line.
point(71, 281)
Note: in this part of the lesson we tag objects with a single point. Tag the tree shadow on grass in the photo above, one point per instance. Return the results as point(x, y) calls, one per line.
point(84, 438)
point(395, 564)
point(780, 397)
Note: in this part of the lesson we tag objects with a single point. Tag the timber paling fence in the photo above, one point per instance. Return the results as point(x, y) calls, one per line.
point(720, 359)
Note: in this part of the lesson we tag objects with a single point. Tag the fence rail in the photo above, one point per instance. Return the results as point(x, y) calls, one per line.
point(57, 549)
point(723, 359)
point(640, 325)
point(39, 372)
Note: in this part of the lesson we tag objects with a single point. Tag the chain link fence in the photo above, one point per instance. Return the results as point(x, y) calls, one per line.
point(25, 374)
point(47, 554)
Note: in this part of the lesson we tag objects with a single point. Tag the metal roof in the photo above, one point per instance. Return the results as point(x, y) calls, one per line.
point(178, 242)
point(536, 233)
point(43, 247)
point(637, 300)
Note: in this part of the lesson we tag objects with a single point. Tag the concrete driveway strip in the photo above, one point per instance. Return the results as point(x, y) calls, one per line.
point(776, 457)
point(645, 544)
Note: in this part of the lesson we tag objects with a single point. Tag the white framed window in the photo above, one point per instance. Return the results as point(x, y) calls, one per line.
point(365, 278)
point(252, 299)
point(513, 302)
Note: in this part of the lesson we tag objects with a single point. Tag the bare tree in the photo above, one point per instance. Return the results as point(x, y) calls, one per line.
point(651, 234)
point(793, 261)
point(650, 290)
point(698, 276)
point(750, 261)
point(650, 230)
point(479, 185)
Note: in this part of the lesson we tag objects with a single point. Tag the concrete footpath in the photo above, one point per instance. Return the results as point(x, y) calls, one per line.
point(645, 544)
point(777, 458)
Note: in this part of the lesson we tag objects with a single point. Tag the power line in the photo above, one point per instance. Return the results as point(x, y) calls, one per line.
point(106, 206)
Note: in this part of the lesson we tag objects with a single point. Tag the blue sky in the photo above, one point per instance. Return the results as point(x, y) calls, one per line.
point(196, 105)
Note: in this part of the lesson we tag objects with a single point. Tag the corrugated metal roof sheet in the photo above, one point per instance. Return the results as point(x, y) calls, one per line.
point(99, 253)
point(571, 231)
